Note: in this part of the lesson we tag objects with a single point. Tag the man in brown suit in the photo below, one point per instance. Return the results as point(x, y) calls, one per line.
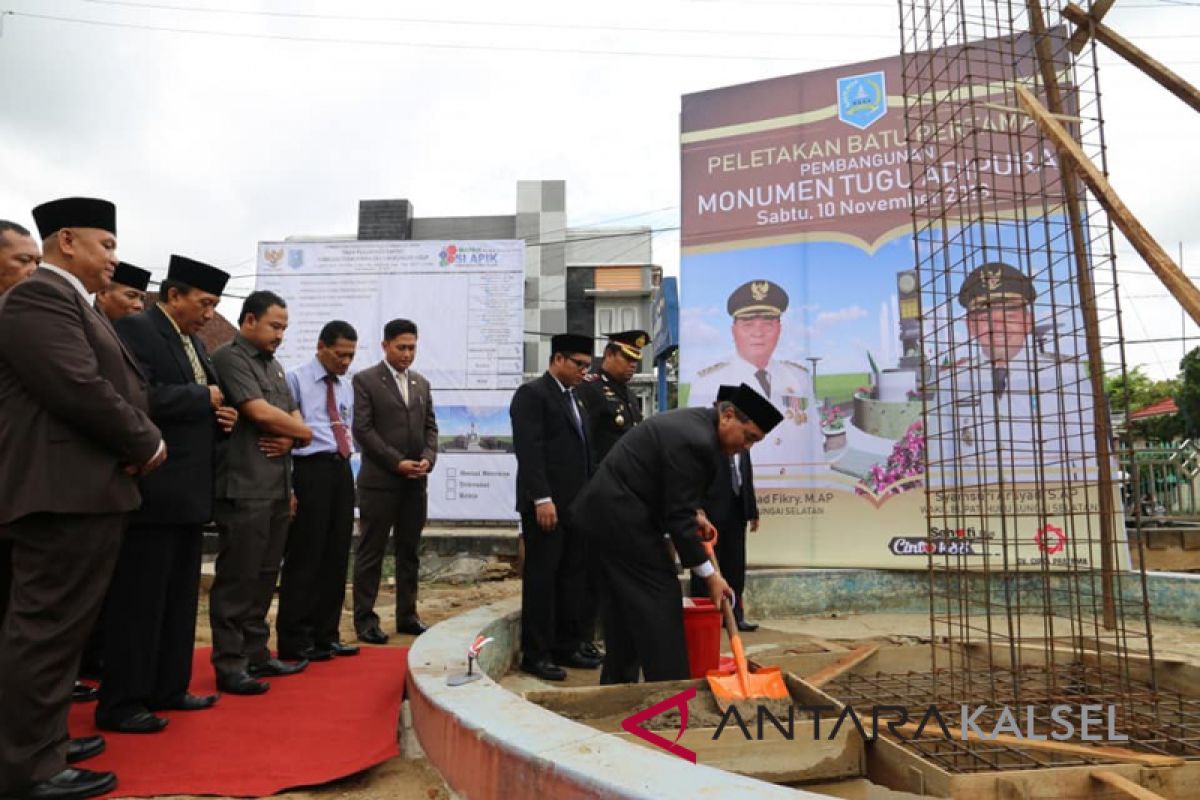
point(73, 406)
point(397, 431)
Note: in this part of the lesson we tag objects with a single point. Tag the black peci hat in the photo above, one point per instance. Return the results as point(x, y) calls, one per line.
point(133, 277)
point(571, 343)
point(758, 408)
point(197, 275)
point(75, 212)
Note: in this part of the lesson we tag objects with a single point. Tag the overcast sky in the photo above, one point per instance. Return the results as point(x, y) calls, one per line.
point(284, 113)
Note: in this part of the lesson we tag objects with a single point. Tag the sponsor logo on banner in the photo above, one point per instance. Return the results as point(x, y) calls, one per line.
point(295, 259)
point(452, 255)
point(1051, 539)
point(920, 546)
point(862, 99)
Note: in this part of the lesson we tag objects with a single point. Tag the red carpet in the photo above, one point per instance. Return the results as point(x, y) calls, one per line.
point(334, 719)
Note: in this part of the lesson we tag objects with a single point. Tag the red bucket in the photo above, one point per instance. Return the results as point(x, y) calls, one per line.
point(702, 627)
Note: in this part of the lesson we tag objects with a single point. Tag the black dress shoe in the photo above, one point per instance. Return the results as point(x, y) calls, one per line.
point(72, 784)
point(307, 654)
point(83, 748)
point(241, 683)
point(274, 668)
point(579, 661)
point(747, 627)
point(141, 722)
point(544, 669)
point(373, 636)
point(412, 625)
point(341, 648)
point(82, 693)
point(189, 702)
point(590, 650)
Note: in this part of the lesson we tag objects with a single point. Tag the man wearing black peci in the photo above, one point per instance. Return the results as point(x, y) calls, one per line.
point(553, 464)
point(149, 620)
point(654, 481)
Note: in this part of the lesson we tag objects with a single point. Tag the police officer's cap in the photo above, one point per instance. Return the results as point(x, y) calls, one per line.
point(757, 299)
point(75, 212)
point(197, 275)
point(630, 342)
point(758, 408)
point(127, 274)
point(572, 343)
point(995, 282)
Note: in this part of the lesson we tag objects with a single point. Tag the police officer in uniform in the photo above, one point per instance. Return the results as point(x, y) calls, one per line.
point(611, 410)
point(756, 308)
point(1002, 405)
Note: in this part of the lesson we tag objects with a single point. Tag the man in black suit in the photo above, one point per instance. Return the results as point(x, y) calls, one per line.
point(731, 507)
point(395, 425)
point(653, 482)
point(149, 621)
point(75, 431)
point(553, 464)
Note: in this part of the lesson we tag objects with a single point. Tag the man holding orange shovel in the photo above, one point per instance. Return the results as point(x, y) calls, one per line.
point(651, 486)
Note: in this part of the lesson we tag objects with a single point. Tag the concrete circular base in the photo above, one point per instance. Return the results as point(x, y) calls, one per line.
point(490, 743)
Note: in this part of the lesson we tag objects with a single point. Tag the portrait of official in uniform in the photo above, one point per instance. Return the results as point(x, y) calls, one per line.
point(1007, 402)
point(756, 309)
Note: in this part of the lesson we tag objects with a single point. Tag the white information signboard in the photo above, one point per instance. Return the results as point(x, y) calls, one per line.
point(467, 299)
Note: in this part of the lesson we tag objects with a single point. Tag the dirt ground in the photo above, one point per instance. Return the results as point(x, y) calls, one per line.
point(400, 778)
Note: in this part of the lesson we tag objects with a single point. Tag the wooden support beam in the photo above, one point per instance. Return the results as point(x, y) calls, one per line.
point(1182, 289)
point(1081, 35)
point(1124, 785)
point(1133, 54)
point(1047, 745)
point(843, 664)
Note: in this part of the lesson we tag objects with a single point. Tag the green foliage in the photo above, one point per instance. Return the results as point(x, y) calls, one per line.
point(1136, 390)
point(1187, 397)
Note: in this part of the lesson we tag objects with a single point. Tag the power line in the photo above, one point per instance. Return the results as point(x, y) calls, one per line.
point(477, 22)
point(457, 46)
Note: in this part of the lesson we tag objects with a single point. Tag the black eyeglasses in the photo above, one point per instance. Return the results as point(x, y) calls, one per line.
point(579, 362)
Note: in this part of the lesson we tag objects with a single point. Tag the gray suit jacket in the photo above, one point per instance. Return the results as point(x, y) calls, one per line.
point(73, 406)
point(387, 430)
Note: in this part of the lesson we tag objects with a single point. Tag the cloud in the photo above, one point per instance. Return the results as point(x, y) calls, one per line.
point(847, 314)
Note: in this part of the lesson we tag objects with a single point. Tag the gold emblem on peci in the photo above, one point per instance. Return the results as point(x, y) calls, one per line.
point(991, 279)
point(759, 290)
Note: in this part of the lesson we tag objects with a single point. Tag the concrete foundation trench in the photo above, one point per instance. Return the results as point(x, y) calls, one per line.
point(510, 735)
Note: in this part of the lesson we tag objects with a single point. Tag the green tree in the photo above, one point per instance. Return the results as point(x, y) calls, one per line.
point(1135, 390)
point(1187, 395)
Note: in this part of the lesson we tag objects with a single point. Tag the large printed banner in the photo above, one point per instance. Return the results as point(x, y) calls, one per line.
point(466, 298)
point(799, 277)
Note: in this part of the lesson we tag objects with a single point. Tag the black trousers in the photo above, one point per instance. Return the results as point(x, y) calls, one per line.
point(5, 575)
point(641, 607)
point(253, 534)
point(61, 565)
point(149, 620)
point(398, 514)
point(553, 591)
point(312, 583)
point(731, 555)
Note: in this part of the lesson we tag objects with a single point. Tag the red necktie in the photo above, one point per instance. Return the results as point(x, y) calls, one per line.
point(335, 419)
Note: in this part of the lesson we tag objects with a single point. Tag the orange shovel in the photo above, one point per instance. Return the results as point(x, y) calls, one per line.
point(729, 688)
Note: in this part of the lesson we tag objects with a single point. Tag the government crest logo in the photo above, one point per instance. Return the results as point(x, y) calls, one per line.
point(862, 99)
point(295, 259)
